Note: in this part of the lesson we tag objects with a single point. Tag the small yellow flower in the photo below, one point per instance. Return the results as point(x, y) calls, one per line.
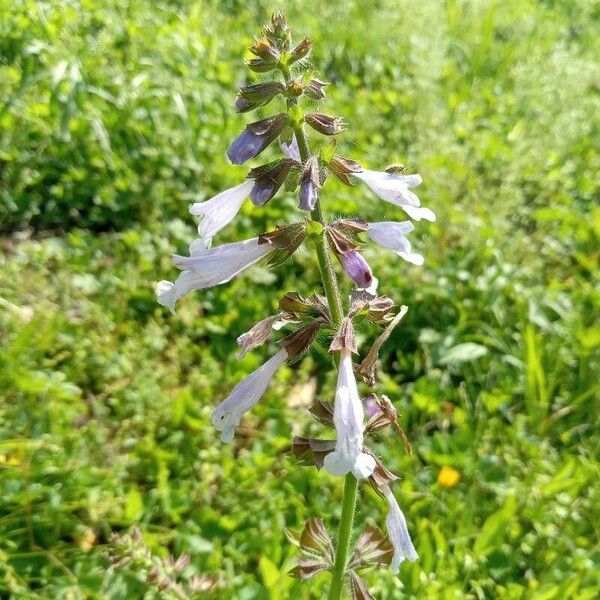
point(448, 477)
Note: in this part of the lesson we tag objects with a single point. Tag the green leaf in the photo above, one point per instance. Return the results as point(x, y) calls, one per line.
point(460, 353)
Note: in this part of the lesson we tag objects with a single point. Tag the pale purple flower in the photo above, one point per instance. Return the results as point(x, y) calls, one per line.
point(396, 189)
point(227, 416)
point(348, 417)
point(357, 268)
point(291, 150)
point(392, 235)
point(207, 267)
point(309, 184)
point(398, 532)
point(255, 138)
point(220, 210)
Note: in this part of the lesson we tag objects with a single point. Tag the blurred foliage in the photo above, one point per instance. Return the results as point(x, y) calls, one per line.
point(114, 116)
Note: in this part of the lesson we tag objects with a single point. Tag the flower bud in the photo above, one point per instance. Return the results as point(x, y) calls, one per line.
point(309, 184)
point(258, 65)
point(253, 96)
point(324, 124)
point(295, 88)
point(261, 92)
point(255, 138)
point(279, 24)
point(301, 50)
point(265, 49)
point(268, 179)
point(315, 89)
point(357, 268)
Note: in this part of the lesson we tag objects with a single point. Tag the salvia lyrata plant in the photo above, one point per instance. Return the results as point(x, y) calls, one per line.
point(305, 168)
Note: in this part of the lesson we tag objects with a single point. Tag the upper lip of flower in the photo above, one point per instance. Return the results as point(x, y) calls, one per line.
point(220, 210)
point(396, 189)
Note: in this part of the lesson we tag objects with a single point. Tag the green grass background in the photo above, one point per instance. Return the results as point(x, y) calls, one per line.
point(114, 116)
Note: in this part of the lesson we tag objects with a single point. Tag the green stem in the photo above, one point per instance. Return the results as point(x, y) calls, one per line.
point(323, 256)
point(335, 306)
point(343, 540)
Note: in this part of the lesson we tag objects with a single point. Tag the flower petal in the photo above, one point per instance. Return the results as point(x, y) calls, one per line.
point(418, 213)
point(227, 415)
point(398, 532)
point(206, 268)
point(348, 418)
point(220, 210)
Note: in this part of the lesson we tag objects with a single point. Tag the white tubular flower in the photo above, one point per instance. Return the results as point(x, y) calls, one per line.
point(348, 417)
point(396, 189)
point(398, 532)
point(392, 235)
point(219, 211)
point(227, 416)
point(206, 268)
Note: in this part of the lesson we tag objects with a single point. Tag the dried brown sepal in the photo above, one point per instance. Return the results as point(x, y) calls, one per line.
point(322, 412)
point(396, 169)
point(381, 476)
point(258, 65)
point(296, 305)
point(278, 28)
point(367, 368)
point(378, 309)
point(338, 241)
point(342, 168)
point(307, 568)
point(315, 89)
point(310, 451)
point(253, 96)
point(325, 124)
point(358, 588)
point(345, 338)
point(264, 48)
point(350, 226)
point(268, 179)
point(301, 51)
point(271, 126)
point(373, 549)
point(297, 342)
point(388, 410)
point(285, 241)
point(314, 539)
point(258, 334)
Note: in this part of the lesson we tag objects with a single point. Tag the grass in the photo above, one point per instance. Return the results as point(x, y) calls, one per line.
point(114, 117)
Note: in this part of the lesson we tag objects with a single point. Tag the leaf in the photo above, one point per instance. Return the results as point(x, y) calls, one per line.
point(268, 571)
point(134, 505)
point(494, 528)
point(466, 352)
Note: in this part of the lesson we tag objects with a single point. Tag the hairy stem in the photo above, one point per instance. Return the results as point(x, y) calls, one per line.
point(330, 285)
